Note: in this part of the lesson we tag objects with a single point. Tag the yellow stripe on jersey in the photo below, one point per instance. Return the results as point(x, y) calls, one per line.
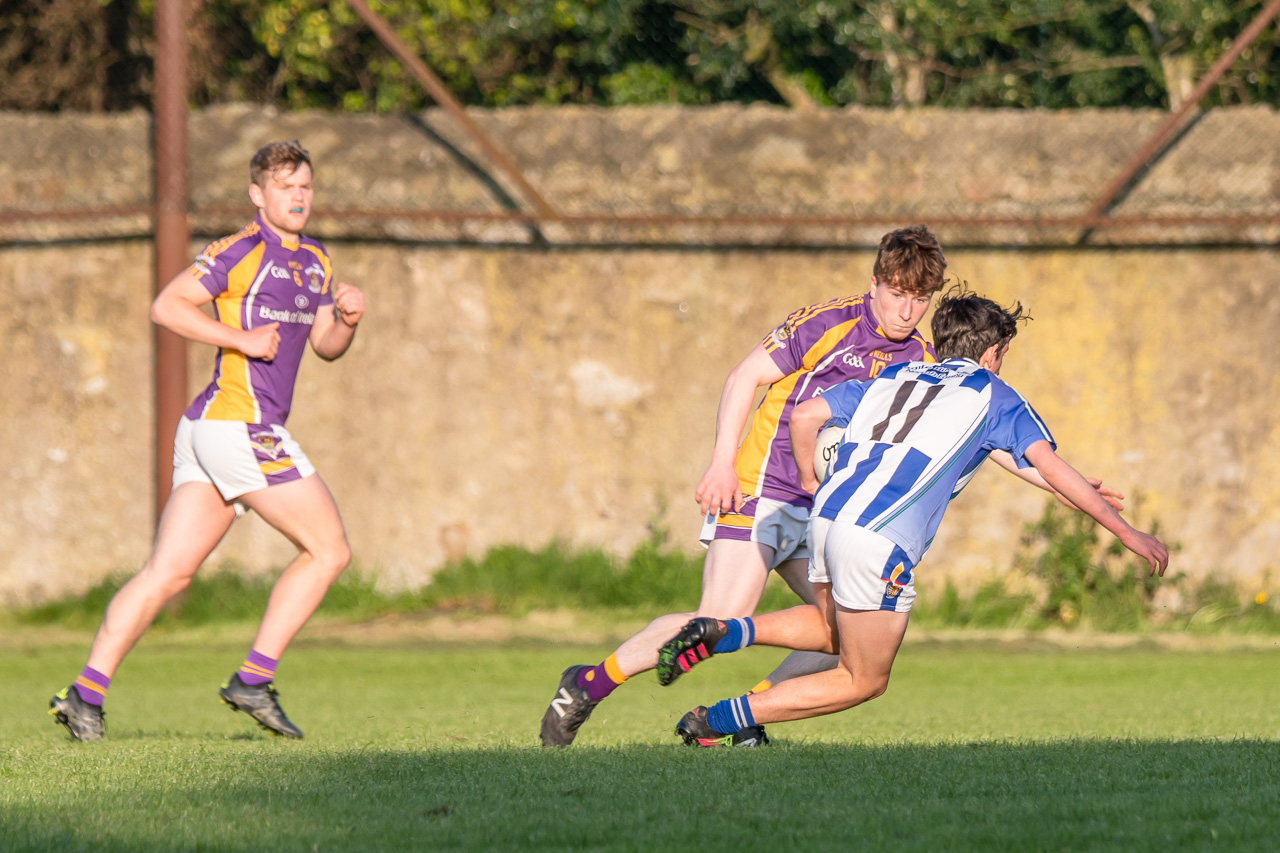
point(824, 345)
point(753, 456)
point(812, 311)
point(754, 453)
point(234, 400)
point(801, 316)
point(217, 247)
point(324, 262)
point(273, 467)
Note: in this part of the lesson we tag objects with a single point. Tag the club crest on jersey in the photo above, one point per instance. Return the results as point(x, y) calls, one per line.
point(780, 334)
point(892, 589)
point(316, 273)
point(301, 301)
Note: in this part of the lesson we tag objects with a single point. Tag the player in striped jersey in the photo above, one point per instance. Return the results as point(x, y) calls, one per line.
point(914, 437)
point(755, 508)
point(272, 291)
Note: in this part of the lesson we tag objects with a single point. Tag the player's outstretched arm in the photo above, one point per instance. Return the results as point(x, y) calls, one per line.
point(333, 331)
point(1073, 486)
point(719, 491)
point(806, 422)
point(177, 308)
point(1005, 460)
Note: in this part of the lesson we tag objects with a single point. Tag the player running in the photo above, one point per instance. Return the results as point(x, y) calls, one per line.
point(273, 292)
point(755, 508)
point(756, 511)
point(915, 436)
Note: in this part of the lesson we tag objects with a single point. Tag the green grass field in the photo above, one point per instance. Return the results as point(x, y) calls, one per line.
point(417, 742)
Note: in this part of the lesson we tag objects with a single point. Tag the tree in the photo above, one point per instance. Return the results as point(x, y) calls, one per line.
point(96, 54)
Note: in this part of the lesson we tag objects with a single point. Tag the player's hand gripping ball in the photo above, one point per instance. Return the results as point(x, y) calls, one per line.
point(824, 455)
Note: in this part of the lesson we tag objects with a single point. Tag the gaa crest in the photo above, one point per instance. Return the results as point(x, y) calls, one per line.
point(316, 275)
point(266, 442)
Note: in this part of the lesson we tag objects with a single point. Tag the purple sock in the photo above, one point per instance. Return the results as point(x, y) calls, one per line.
point(257, 668)
point(92, 686)
point(600, 681)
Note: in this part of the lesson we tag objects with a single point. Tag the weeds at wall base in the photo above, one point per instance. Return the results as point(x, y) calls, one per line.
point(1080, 583)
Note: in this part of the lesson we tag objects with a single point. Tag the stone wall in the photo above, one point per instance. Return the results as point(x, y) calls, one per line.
point(512, 394)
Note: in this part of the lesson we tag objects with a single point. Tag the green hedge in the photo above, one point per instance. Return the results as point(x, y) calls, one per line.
point(1081, 582)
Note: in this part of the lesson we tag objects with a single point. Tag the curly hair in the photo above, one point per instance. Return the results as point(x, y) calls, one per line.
point(966, 325)
point(910, 258)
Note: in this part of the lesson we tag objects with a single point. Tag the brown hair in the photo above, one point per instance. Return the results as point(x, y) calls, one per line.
point(910, 258)
point(277, 155)
point(966, 325)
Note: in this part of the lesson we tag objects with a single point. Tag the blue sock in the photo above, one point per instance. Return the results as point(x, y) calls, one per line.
point(729, 716)
point(740, 634)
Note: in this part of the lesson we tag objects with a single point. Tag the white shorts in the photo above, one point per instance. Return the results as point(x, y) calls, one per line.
point(866, 570)
point(778, 524)
point(236, 457)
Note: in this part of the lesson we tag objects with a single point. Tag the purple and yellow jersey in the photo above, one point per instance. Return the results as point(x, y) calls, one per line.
point(258, 278)
point(817, 347)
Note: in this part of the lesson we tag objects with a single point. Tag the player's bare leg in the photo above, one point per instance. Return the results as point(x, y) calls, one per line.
point(304, 511)
point(808, 627)
point(194, 520)
point(796, 664)
point(869, 642)
point(733, 579)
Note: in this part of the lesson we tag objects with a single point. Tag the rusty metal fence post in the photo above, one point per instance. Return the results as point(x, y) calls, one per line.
point(170, 224)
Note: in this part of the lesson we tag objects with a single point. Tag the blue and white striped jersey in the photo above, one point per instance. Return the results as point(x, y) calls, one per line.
point(915, 436)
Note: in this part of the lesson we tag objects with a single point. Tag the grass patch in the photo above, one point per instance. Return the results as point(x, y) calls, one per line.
point(434, 747)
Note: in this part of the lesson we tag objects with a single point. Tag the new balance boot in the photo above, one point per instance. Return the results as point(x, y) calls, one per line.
point(569, 709)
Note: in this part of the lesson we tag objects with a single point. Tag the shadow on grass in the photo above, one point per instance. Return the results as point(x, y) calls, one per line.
point(985, 796)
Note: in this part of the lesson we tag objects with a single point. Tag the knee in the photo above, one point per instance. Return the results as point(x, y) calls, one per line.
point(164, 584)
point(334, 557)
point(341, 557)
point(866, 689)
point(176, 585)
